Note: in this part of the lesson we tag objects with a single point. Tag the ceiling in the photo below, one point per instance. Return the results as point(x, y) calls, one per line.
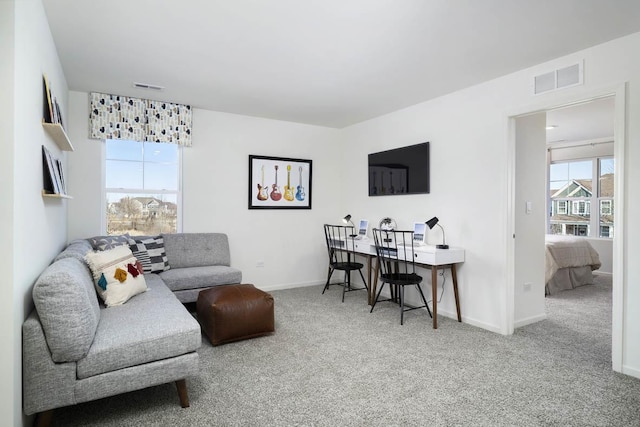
point(323, 62)
point(587, 121)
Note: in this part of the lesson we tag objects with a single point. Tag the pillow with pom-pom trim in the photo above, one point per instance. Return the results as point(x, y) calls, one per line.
point(117, 275)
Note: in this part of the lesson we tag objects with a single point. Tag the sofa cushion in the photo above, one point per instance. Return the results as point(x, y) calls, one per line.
point(103, 243)
point(76, 249)
point(178, 279)
point(197, 249)
point(117, 275)
point(150, 327)
point(68, 308)
point(151, 253)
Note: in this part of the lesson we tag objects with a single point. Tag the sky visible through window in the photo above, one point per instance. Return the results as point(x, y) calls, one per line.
point(563, 172)
point(150, 167)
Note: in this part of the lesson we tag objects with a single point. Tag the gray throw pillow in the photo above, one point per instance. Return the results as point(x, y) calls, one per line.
point(103, 243)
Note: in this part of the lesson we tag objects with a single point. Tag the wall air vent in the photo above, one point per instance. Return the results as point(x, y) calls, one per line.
point(559, 79)
point(147, 86)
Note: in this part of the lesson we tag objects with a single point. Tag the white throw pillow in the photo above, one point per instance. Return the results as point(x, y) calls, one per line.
point(117, 275)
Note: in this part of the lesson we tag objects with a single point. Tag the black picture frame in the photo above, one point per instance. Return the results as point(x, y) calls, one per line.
point(279, 182)
point(49, 173)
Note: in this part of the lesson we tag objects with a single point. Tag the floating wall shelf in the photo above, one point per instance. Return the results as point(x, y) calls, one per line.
point(55, 196)
point(57, 133)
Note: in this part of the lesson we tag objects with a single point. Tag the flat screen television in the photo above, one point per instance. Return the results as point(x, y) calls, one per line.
point(399, 171)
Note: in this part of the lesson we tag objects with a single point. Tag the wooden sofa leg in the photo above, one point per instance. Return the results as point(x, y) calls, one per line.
point(43, 419)
point(181, 385)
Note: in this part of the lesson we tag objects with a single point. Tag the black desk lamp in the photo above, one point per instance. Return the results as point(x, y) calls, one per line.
point(432, 223)
point(347, 220)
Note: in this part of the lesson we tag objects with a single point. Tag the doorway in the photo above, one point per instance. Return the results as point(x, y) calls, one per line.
point(528, 211)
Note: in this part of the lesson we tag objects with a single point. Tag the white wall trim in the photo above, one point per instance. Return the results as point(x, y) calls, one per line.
point(281, 286)
point(530, 320)
point(627, 370)
point(619, 263)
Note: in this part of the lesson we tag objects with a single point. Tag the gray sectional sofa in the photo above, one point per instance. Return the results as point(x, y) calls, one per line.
point(75, 349)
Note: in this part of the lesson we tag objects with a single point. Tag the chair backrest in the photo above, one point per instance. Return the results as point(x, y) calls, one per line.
point(340, 242)
point(395, 252)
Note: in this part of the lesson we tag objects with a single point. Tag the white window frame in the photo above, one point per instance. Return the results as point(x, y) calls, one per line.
point(595, 199)
point(563, 210)
point(105, 190)
point(609, 208)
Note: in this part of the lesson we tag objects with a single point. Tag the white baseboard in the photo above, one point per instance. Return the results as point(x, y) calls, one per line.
point(602, 273)
point(281, 286)
point(628, 370)
point(529, 320)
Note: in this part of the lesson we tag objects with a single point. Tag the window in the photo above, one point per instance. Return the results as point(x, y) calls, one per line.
point(573, 190)
point(580, 207)
point(142, 186)
point(562, 207)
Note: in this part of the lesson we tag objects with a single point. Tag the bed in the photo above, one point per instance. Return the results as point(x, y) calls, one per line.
point(569, 263)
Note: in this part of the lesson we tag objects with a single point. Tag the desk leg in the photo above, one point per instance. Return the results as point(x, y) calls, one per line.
point(369, 278)
point(374, 286)
point(434, 295)
point(455, 290)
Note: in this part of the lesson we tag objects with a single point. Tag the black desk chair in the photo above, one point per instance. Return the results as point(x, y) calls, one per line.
point(341, 249)
point(396, 260)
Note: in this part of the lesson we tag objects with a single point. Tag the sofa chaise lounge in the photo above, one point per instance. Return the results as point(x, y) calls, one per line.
point(75, 349)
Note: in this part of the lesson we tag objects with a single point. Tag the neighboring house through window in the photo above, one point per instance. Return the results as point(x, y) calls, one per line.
point(572, 192)
point(142, 186)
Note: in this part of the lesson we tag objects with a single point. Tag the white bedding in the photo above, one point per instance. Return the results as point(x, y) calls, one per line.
point(568, 251)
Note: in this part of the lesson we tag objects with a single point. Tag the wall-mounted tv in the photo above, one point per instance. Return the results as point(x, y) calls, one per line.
point(399, 171)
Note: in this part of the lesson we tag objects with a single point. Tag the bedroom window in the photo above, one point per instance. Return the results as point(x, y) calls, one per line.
point(576, 185)
point(142, 187)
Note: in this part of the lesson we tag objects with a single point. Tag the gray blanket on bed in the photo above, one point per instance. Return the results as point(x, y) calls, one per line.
point(567, 251)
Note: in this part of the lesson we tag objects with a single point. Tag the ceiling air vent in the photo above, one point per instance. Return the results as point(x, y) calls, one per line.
point(558, 79)
point(147, 86)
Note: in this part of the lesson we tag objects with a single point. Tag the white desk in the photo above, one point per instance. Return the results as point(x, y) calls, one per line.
point(426, 255)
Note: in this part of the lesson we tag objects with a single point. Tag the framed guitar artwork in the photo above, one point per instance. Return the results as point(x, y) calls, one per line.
point(279, 183)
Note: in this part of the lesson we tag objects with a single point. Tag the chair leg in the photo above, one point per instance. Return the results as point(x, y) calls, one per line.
point(43, 419)
point(326, 286)
point(347, 283)
point(181, 385)
point(424, 299)
point(377, 296)
point(401, 291)
point(363, 281)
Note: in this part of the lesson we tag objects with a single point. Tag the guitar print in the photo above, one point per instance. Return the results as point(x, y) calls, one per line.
point(262, 190)
point(300, 189)
point(275, 190)
point(288, 190)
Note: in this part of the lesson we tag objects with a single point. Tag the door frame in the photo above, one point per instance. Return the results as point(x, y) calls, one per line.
point(619, 262)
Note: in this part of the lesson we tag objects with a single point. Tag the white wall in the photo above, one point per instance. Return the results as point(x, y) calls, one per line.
point(38, 225)
point(470, 185)
point(9, 384)
point(530, 185)
point(604, 247)
point(215, 191)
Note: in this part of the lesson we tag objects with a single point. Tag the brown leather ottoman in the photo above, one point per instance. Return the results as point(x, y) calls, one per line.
point(235, 312)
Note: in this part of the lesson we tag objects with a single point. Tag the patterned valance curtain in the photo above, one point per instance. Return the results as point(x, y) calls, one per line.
point(122, 117)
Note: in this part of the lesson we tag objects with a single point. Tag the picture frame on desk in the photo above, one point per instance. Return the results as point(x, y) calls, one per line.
point(279, 183)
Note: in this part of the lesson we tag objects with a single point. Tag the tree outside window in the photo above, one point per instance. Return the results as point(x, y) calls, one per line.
point(142, 187)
